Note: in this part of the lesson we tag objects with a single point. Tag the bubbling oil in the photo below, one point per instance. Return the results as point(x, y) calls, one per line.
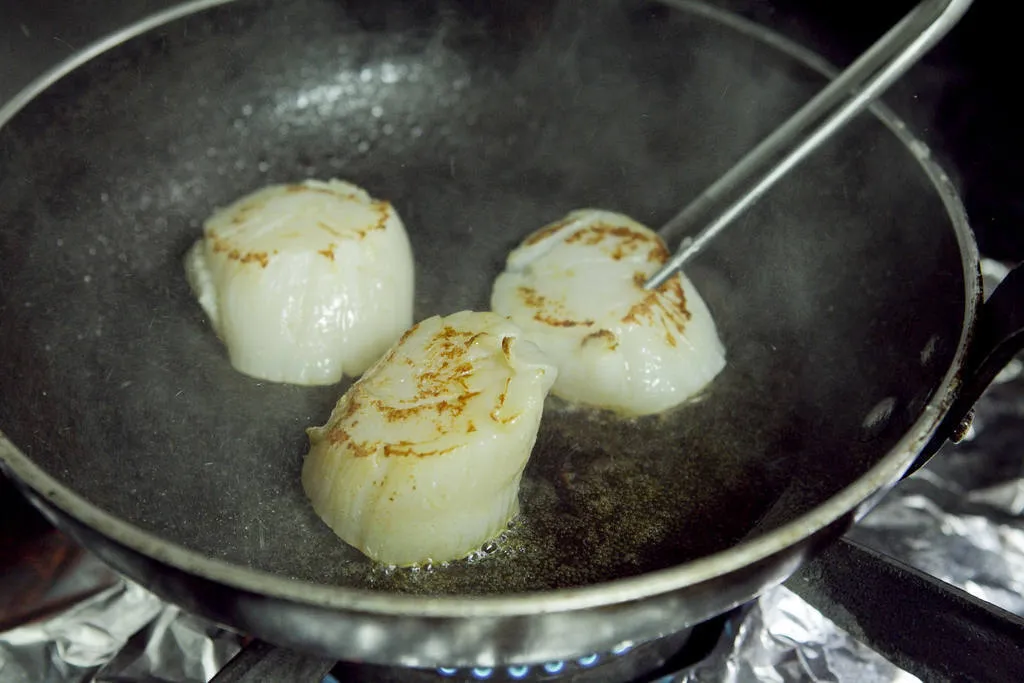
point(504, 543)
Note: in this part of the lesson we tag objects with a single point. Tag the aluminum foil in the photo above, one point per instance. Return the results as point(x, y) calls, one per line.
point(961, 519)
point(121, 635)
point(783, 639)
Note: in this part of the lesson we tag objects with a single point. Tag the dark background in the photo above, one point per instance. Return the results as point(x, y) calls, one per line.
point(961, 98)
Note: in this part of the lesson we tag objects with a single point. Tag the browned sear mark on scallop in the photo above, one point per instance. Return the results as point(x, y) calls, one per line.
point(659, 253)
point(221, 246)
point(296, 189)
point(383, 210)
point(618, 241)
point(443, 390)
point(453, 406)
point(506, 348)
point(252, 256)
point(546, 231)
point(408, 333)
point(337, 435)
point(559, 322)
point(442, 394)
point(665, 306)
point(350, 408)
point(328, 252)
point(606, 336)
point(502, 397)
point(334, 432)
point(433, 382)
point(531, 297)
point(548, 312)
point(405, 449)
point(242, 212)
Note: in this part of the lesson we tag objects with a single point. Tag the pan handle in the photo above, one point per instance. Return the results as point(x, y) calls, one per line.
point(998, 337)
point(949, 635)
point(259, 662)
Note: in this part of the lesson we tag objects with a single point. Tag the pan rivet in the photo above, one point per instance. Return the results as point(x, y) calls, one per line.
point(963, 429)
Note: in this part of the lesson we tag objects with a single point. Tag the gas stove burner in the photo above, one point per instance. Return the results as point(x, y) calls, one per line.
point(654, 661)
point(546, 671)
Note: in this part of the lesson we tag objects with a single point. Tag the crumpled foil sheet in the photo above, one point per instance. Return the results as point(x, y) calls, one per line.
point(124, 634)
point(783, 640)
point(961, 519)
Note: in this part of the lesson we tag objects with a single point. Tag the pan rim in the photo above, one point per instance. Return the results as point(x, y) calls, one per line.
point(857, 497)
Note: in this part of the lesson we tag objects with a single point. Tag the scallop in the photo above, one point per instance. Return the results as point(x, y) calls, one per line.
point(304, 283)
point(422, 457)
point(576, 288)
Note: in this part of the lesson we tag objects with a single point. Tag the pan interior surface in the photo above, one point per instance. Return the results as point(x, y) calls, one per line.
point(839, 297)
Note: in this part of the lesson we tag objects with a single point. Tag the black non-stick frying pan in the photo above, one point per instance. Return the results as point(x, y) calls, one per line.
point(846, 301)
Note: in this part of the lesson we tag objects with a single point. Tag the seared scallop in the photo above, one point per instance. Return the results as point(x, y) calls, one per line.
point(421, 459)
point(304, 283)
point(576, 289)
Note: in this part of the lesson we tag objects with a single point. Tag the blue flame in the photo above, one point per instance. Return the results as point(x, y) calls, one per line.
point(519, 672)
point(554, 667)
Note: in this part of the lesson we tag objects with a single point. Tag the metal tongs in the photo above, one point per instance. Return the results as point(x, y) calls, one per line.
point(846, 96)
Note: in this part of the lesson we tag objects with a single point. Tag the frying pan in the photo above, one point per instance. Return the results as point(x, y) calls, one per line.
point(847, 301)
